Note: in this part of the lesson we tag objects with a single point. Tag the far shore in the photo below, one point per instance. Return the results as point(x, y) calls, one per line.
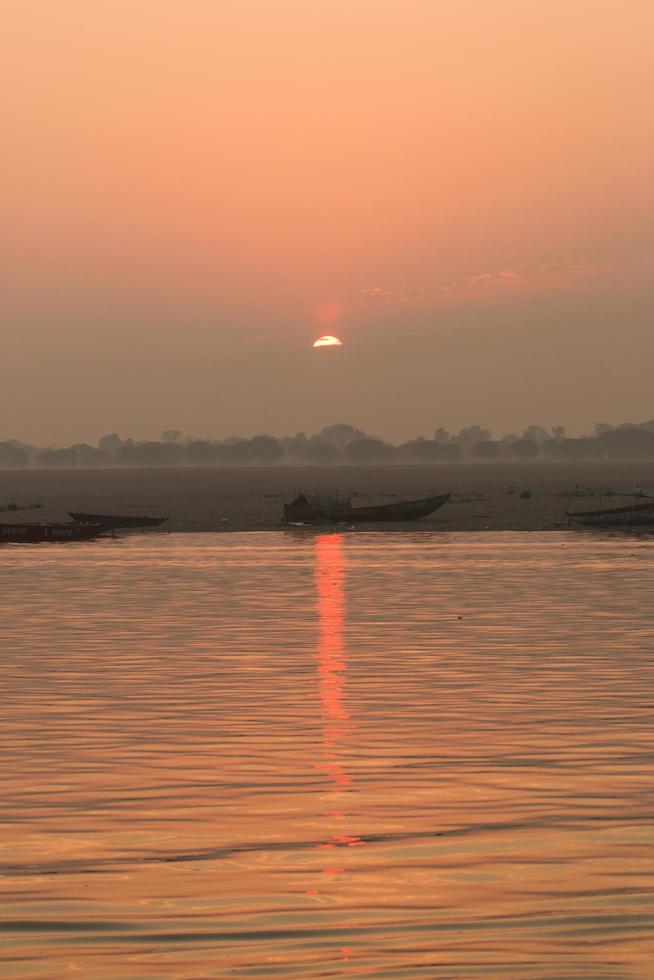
point(484, 496)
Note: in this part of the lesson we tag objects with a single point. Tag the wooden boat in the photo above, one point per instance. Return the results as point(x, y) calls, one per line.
point(308, 509)
point(637, 515)
point(35, 533)
point(113, 521)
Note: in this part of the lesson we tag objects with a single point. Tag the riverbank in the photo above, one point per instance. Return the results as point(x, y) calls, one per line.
point(493, 496)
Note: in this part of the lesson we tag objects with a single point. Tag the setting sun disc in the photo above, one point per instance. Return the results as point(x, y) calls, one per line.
point(327, 341)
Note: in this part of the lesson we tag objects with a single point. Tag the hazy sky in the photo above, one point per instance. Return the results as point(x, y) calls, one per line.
point(193, 190)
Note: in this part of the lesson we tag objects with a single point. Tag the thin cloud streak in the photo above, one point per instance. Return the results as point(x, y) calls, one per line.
point(579, 274)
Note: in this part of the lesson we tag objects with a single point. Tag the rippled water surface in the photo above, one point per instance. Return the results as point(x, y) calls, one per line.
point(299, 755)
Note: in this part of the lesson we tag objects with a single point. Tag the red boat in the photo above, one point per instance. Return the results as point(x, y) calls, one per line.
point(34, 533)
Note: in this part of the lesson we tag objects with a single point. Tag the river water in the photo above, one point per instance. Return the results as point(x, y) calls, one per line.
point(328, 755)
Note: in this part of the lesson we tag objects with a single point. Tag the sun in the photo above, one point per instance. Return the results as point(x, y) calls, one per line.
point(327, 341)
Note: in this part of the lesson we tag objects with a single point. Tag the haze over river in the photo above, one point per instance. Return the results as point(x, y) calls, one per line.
point(301, 754)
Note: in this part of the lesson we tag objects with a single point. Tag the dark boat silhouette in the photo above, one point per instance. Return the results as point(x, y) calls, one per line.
point(35, 533)
point(638, 515)
point(309, 509)
point(112, 522)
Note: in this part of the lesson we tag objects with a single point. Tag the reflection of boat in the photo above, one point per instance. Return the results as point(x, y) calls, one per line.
point(111, 521)
point(309, 509)
point(34, 533)
point(634, 515)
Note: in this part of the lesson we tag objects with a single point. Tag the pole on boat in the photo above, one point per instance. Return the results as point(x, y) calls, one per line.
point(637, 494)
point(567, 506)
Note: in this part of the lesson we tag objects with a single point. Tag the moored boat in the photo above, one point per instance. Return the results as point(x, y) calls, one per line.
point(638, 515)
point(114, 521)
point(36, 533)
point(635, 514)
point(309, 509)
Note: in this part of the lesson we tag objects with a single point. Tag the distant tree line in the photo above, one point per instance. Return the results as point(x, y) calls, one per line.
point(340, 444)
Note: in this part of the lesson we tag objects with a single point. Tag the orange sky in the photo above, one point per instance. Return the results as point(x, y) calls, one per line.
point(207, 176)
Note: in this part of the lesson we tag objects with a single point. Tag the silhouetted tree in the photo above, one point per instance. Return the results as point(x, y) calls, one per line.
point(13, 457)
point(627, 442)
point(109, 444)
point(487, 449)
point(536, 433)
point(624, 442)
point(89, 456)
point(428, 451)
point(525, 449)
point(264, 450)
point(572, 449)
point(150, 454)
point(368, 450)
point(51, 459)
point(451, 453)
point(470, 436)
point(171, 435)
point(321, 453)
point(340, 435)
point(202, 452)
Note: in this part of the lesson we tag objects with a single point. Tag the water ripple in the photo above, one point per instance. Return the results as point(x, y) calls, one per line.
point(312, 755)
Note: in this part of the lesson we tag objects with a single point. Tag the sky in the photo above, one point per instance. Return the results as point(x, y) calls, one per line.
point(193, 191)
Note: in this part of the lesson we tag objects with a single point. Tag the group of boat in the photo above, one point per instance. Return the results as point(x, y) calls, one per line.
point(314, 509)
point(81, 527)
point(306, 508)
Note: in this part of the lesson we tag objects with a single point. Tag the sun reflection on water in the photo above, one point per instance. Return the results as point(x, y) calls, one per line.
point(331, 653)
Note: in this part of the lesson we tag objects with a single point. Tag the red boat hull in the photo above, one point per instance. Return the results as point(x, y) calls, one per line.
point(35, 533)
